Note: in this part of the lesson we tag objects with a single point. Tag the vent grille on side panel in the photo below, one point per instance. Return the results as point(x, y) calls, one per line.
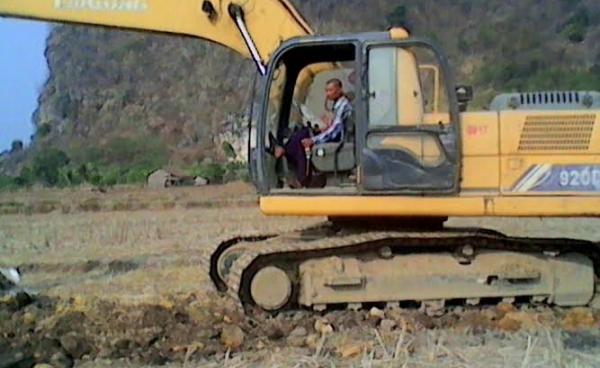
point(544, 98)
point(557, 133)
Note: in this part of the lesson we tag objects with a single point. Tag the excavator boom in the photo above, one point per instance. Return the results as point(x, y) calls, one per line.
point(253, 28)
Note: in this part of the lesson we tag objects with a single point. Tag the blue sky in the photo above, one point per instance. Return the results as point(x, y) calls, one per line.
point(23, 71)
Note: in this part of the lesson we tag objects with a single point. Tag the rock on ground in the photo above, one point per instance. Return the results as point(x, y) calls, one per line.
point(232, 337)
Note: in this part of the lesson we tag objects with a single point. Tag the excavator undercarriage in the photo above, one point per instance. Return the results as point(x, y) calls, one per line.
point(327, 266)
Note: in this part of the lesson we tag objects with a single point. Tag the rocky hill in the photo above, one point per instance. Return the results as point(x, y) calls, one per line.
point(125, 98)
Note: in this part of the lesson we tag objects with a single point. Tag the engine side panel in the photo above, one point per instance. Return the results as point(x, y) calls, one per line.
point(550, 152)
point(480, 148)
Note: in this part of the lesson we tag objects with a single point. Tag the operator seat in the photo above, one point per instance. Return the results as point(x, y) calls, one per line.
point(335, 157)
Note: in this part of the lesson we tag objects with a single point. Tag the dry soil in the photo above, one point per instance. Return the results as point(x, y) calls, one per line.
point(115, 280)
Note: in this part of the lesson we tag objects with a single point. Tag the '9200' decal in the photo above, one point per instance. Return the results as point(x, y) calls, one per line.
point(577, 178)
point(560, 178)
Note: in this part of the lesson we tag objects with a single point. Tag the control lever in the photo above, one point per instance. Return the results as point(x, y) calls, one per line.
point(308, 155)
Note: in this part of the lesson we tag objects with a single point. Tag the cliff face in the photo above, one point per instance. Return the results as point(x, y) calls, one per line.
point(172, 96)
point(106, 84)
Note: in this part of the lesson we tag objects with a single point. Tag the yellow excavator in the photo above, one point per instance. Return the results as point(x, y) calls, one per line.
point(410, 157)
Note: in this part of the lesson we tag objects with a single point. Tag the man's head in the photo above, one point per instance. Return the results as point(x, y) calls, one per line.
point(334, 89)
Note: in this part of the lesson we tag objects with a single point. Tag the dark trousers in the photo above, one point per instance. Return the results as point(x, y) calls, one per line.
point(296, 156)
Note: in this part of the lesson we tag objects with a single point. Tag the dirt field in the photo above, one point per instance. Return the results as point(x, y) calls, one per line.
point(116, 281)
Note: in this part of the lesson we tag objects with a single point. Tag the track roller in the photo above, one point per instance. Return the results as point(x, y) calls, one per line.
point(271, 288)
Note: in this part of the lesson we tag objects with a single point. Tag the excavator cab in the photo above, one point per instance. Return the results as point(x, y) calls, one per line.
point(295, 100)
point(401, 136)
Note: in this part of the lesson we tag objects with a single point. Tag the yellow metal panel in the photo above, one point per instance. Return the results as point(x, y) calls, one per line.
point(269, 21)
point(480, 173)
point(480, 162)
point(559, 206)
point(435, 118)
point(549, 132)
point(306, 77)
point(399, 33)
point(515, 167)
point(511, 125)
point(479, 133)
point(360, 206)
point(369, 206)
point(408, 89)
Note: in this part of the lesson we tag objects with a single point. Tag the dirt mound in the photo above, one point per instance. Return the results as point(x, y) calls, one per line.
point(193, 329)
point(43, 328)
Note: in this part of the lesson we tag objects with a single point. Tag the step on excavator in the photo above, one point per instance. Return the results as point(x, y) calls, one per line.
point(410, 157)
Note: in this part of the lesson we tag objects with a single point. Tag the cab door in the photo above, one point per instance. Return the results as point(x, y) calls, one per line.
point(410, 142)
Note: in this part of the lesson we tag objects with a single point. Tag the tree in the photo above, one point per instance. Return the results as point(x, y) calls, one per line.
point(16, 146)
point(576, 27)
point(47, 164)
point(398, 17)
point(25, 177)
point(6, 182)
point(43, 130)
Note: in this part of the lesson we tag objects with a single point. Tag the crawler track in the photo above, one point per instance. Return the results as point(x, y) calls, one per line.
point(288, 250)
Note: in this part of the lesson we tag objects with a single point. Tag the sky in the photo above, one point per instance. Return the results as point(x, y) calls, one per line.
point(23, 71)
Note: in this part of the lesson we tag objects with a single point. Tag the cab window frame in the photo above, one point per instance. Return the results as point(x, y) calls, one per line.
point(292, 72)
point(444, 71)
point(363, 126)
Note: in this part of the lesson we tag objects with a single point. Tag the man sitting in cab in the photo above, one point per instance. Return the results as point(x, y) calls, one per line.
point(297, 149)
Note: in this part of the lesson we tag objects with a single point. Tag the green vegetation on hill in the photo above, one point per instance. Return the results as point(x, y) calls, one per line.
point(124, 161)
point(119, 104)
